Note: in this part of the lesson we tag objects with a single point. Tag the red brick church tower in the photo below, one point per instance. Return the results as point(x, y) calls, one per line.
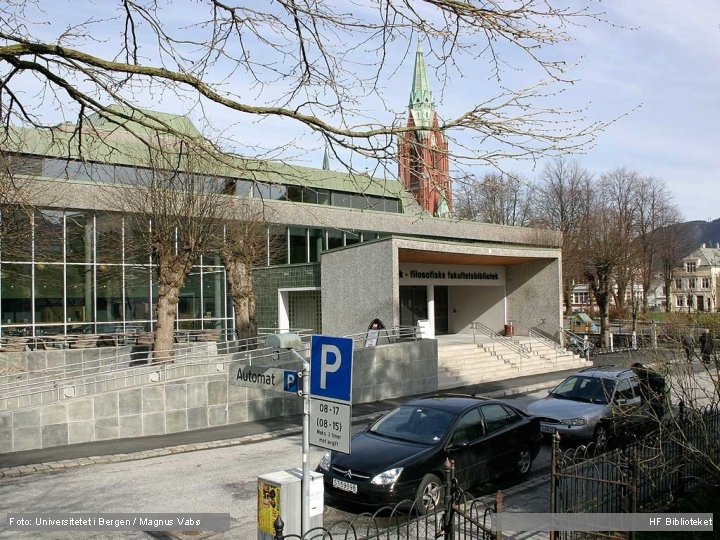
point(423, 153)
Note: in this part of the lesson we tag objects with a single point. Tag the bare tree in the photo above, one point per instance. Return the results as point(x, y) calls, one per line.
point(564, 198)
point(504, 199)
point(602, 248)
point(301, 62)
point(620, 192)
point(655, 212)
point(174, 208)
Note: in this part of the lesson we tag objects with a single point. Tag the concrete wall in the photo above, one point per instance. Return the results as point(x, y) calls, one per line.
point(359, 284)
point(195, 396)
point(534, 294)
point(483, 304)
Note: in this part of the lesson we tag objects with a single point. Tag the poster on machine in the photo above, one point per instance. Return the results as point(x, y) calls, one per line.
point(268, 507)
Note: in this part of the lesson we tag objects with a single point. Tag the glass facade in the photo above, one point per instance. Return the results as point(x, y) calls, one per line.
point(84, 272)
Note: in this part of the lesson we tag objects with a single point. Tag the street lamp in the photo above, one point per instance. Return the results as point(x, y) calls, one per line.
point(291, 342)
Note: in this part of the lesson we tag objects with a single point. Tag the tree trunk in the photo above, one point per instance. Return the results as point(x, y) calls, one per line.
point(240, 283)
point(172, 271)
point(165, 329)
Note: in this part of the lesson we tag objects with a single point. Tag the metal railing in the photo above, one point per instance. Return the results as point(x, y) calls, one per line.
point(497, 340)
point(458, 515)
point(384, 336)
point(557, 348)
point(579, 345)
point(132, 366)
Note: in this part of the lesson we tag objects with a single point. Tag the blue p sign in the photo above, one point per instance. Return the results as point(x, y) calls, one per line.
point(331, 368)
point(290, 381)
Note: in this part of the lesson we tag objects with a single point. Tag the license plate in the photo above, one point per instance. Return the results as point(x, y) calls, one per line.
point(547, 429)
point(344, 486)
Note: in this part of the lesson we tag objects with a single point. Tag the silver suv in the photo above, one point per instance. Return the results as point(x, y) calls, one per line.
point(602, 402)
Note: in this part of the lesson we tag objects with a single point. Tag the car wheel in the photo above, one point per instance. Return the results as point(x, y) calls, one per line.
point(429, 494)
point(601, 438)
point(524, 462)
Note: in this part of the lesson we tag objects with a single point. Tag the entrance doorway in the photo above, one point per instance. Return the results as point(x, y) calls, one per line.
point(414, 306)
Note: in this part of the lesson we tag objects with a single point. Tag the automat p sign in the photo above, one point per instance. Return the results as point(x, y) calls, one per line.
point(264, 378)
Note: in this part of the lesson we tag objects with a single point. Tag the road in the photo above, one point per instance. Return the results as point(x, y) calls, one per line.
point(220, 480)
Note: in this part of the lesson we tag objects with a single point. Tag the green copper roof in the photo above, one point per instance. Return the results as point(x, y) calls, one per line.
point(142, 122)
point(421, 105)
point(114, 145)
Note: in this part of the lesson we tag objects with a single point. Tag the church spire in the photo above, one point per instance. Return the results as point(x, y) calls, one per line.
point(421, 104)
point(326, 160)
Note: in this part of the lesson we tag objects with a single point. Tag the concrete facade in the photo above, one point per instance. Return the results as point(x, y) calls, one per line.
point(194, 396)
point(534, 294)
point(361, 282)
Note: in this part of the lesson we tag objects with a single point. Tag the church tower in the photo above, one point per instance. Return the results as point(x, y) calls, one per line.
point(423, 153)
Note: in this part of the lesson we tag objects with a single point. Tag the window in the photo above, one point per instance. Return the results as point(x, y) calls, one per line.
point(705, 283)
point(270, 191)
point(342, 199)
point(298, 245)
point(624, 390)
point(496, 417)
point(581, 298)
point(678, 284)
point(469, 427)
point(317, 244)
point(295, 193)
point(690, 266)
point(680, 301)
point(692, 283)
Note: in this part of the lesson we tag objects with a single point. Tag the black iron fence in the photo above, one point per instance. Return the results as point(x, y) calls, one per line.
point(459, 517)
point(645, 476)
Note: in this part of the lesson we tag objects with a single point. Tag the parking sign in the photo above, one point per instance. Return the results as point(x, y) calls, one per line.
point(331, 368)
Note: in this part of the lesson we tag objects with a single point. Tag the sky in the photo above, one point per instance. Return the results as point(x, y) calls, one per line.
point(652, 73)
point(666, 75)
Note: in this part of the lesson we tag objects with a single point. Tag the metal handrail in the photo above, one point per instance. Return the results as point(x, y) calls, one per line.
point(542, 338)
point(584, 344)
point(495, 337)
point(538, 336)
point(49, 378)
point(119, 367)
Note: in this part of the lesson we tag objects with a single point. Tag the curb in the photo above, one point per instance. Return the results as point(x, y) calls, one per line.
point(54, 466)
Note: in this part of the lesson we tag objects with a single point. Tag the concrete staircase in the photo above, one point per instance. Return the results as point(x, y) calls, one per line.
point(461, 364)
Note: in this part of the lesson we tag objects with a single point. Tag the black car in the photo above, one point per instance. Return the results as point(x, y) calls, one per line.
point(400, 457)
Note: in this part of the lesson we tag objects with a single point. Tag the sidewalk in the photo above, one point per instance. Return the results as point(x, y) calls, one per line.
point(56, 458)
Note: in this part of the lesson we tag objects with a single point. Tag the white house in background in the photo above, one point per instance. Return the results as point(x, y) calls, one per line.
point(695, 283)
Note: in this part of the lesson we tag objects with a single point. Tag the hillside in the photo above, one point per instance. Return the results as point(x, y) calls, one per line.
point(696, 233)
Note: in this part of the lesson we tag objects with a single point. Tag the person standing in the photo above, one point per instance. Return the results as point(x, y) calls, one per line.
point(706, 346)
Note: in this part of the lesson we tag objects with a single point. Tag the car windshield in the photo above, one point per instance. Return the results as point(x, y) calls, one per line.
point(414, 423)
point(586, 389)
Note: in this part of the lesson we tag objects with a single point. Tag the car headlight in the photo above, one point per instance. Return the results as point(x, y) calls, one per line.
point(575, 421)
point(388, 477)
point(325, 462)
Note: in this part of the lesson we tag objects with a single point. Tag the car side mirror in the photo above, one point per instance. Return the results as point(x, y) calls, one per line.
point(550, 391)
point(456, 446)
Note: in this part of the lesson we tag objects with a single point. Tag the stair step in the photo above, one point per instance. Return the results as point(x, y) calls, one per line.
point(467, 364)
